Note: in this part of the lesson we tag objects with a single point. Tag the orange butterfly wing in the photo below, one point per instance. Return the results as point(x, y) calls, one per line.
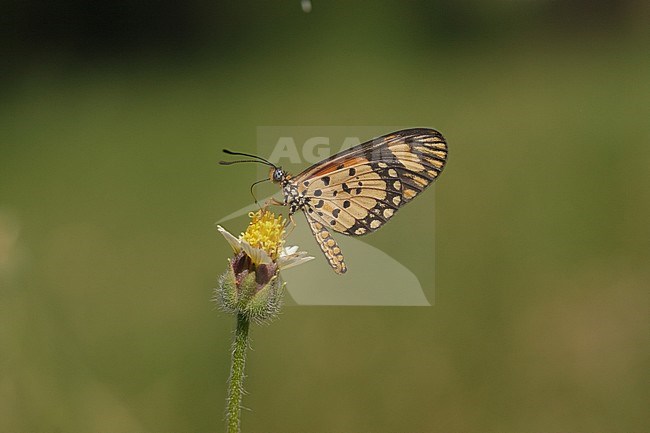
point(358, 190)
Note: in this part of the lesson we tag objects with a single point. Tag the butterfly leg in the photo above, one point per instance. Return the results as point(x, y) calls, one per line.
point(328, 245)
point(291, 222)
point(272, 202)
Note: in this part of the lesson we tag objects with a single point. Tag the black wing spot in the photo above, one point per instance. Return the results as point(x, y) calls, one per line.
point(335, 212)
point(352, 172)
point(346, 204)
point(318, 193)
point(345, 187)
point(326, 180)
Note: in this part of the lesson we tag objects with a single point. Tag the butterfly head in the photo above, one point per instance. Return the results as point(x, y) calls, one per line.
point(277, 175)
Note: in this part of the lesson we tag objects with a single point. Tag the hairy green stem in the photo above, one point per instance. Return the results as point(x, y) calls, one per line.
point(236, 380)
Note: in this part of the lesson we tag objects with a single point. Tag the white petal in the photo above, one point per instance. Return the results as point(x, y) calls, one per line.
point(257, 255)
point(295, 262)
point(287, 251)
point(233, 241)
point(295, 259)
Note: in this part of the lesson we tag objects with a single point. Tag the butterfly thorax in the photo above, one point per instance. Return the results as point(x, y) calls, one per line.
point(292, 196)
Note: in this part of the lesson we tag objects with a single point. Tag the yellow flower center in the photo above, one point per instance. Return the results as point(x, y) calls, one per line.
point(265, 231)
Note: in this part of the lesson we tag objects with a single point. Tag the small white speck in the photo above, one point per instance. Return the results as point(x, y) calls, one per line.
point(306, 6)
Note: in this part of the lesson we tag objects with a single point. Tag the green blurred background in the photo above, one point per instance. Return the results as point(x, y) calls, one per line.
point(112, 115)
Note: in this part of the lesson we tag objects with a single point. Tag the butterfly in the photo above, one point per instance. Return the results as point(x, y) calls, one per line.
point(357, 190)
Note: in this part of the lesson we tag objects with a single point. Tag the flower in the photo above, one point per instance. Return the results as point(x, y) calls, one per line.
point(252, 285)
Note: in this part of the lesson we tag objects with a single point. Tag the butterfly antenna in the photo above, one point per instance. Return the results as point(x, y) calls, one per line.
point(257, 159)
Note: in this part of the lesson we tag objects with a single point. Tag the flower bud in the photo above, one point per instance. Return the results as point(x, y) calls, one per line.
point(253, 290)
